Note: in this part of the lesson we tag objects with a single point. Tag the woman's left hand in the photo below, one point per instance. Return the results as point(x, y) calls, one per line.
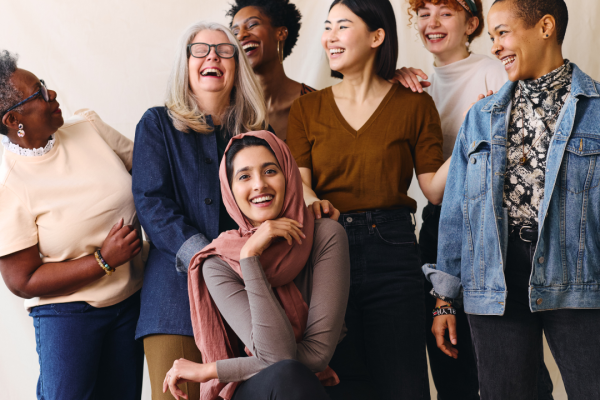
point(187, 371)
point(321, 207)
point(409, 78)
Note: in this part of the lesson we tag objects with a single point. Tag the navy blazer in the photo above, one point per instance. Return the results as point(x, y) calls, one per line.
point(177, 196)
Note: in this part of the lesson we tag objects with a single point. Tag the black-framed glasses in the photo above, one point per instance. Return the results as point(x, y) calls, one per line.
point(43, 91)
point(201, 50)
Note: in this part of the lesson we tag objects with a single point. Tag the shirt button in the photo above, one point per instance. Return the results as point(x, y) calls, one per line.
point(541, 260)
point(207, 201)
point(349, 219)
point(539, 301)
point(473, 160)
point(208, 160)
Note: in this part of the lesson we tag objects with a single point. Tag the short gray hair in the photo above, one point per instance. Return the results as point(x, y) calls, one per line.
point(9, 95)
point(247, 110)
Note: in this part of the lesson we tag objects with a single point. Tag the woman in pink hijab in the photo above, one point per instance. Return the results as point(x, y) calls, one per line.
point(278, 286)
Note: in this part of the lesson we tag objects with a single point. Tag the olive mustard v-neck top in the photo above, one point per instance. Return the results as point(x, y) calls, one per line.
point(372, 168)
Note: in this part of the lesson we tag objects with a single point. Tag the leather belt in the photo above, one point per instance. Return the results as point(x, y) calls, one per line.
point(525, 233)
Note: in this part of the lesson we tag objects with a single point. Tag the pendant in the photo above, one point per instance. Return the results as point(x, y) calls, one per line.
point(523, 160)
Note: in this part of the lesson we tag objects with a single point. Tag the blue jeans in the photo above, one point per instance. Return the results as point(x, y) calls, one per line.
point(87, 352)
point(383, 353)
point(508, 347)
point(285, 380)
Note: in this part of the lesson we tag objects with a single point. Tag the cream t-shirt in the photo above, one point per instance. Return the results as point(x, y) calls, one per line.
point(67, 200)
point(454, 87)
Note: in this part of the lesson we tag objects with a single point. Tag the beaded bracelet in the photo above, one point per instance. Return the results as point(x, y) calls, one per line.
point(444, 310)
point(103, 264)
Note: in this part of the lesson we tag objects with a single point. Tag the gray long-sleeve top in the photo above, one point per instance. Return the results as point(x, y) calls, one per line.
point(251, 309)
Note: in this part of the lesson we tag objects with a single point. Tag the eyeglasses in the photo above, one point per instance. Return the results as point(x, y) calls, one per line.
point(201, 50)
point(43, 91)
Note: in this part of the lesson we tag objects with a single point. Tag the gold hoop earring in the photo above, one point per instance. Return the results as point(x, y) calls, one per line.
point(280, 53)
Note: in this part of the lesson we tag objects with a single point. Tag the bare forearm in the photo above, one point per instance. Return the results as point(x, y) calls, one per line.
point(433, 184)
point(63, 278)
point(309, 195)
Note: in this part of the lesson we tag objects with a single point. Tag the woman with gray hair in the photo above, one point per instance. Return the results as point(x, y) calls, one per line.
point(68, 240)
point(212, 96)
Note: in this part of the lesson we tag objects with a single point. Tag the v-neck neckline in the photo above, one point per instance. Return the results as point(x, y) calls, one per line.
point(371, 119)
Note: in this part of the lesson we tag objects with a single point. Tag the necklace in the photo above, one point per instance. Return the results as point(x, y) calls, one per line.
point(525, 154)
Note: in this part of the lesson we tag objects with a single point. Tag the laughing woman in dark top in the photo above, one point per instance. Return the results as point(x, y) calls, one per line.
point(268, 31)
point(213, 95)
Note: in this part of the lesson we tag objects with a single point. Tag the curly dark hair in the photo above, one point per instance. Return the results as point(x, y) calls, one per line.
point(9, 95)
point(532, 11)
point(280, 12)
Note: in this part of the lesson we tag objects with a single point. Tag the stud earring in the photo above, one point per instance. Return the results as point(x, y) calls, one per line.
point(20, 132)
point(547, 35)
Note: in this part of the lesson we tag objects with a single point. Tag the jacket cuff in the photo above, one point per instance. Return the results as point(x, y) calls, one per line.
point(188, 250)
point(443, 283)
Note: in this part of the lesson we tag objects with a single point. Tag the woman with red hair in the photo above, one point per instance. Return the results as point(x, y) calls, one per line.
point(447, 28)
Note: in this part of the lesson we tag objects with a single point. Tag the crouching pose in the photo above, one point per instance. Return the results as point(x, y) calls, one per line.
point(279, 285)
point(520, 215)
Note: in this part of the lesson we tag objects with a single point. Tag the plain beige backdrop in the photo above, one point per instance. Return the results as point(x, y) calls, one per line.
point(114, 56)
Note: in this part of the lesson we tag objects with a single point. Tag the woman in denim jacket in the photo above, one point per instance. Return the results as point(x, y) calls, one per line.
point(212, 96)
point(521, 212)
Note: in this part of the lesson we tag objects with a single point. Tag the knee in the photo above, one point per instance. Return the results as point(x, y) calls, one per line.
point(295, 381)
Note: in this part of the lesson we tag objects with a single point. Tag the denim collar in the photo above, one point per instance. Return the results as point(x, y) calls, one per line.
point(582, 85)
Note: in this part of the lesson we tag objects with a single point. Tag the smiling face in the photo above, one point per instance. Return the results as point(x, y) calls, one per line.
point(258, 184)
point(39, 118)
point(258, 37)
point(520, 49)
point(211, 73)
point(347, 40)
point(444, 30)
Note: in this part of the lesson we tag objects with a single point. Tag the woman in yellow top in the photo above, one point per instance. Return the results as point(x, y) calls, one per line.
point(357, 144)
point(65, 194)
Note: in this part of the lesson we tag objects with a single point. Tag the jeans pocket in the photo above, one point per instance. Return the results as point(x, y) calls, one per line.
point(76, 307)
point(393, 233)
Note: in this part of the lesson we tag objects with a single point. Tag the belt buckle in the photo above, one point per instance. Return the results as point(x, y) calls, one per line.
point(521, 233)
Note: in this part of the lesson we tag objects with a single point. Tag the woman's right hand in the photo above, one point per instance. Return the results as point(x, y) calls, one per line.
point(441, 323)
point(187, 371)
point(121, 245)
point(286, 228)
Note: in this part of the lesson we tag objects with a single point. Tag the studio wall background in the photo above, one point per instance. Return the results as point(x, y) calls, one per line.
point(114, 56)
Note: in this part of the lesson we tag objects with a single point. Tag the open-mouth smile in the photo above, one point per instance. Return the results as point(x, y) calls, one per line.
point(211, 71)
point(262, 201)
point(249, 47)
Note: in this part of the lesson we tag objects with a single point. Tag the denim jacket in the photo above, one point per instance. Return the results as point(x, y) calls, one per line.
point(473, 233)
point(177, 194)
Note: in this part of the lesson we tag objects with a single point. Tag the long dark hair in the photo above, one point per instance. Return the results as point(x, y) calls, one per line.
point(377, 14)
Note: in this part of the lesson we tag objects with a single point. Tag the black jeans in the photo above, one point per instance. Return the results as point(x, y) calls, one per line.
point(383, 353)
point(456, 379)
point(285, 380)
point(508, 347)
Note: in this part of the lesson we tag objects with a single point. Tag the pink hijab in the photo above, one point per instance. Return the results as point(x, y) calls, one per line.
point(281, 263)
